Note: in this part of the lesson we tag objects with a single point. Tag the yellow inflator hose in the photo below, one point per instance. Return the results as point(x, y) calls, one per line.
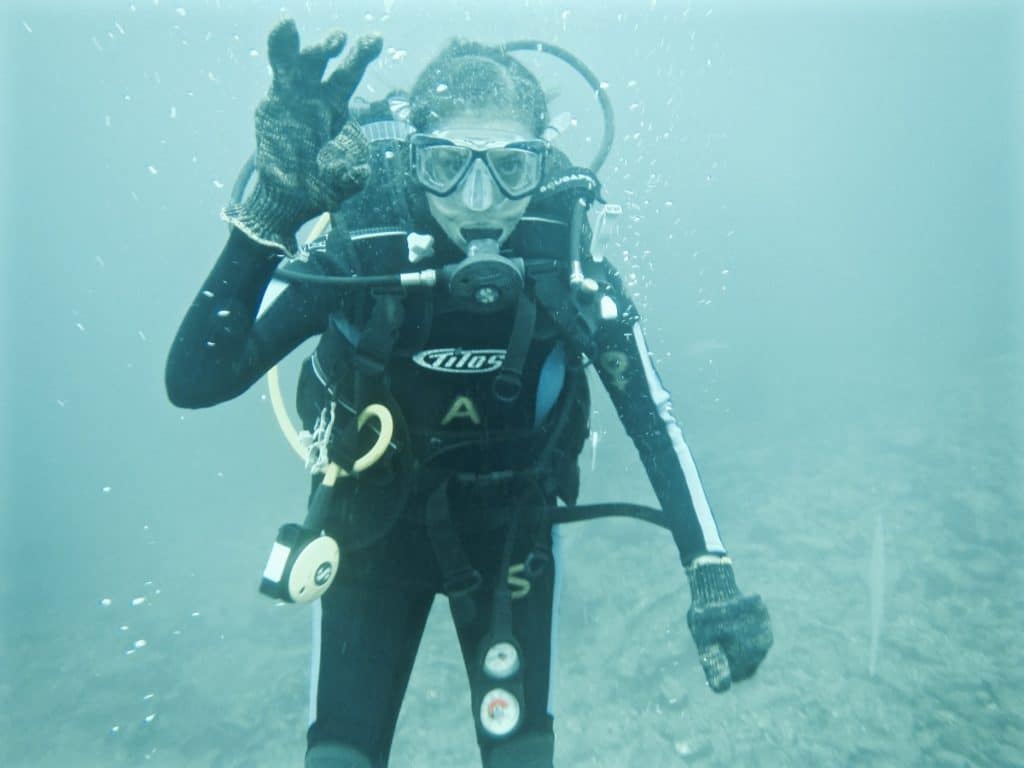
point(375, 410)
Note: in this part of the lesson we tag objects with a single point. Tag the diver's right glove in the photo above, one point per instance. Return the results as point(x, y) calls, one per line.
point(310, 156)
point(732, 631)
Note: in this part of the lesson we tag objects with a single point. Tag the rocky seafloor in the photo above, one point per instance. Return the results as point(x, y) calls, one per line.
point(228, 688)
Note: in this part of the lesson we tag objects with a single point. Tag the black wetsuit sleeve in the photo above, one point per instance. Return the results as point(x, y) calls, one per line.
point(624, 364)
point(221, 348)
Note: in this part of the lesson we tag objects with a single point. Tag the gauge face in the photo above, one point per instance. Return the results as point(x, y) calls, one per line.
point(313, 570)
point(501, 661)
point(499, 712)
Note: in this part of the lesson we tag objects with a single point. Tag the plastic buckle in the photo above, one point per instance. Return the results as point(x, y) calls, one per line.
point(538, 559)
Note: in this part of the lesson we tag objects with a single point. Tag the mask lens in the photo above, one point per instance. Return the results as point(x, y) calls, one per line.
point(440, 167)
point(516, 170)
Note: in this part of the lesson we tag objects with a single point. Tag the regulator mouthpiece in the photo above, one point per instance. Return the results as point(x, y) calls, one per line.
point(485, 280)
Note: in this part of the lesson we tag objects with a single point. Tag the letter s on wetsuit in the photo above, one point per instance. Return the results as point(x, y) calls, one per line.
point(439, 377)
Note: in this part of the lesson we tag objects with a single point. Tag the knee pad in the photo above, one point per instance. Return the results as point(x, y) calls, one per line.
point(530, 750)
point(331, 755)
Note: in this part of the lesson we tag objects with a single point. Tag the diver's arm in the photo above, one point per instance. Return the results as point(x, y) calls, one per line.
point(220, 349)
point(624, 364)
point(732, 631)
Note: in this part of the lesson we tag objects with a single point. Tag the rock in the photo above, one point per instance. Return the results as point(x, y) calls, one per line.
point(693, 749)
point(671, 694)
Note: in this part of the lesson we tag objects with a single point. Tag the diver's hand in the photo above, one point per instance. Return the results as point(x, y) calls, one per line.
point(309, 155)
point(732, 631)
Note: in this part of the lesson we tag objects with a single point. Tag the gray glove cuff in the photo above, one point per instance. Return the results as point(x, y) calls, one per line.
point(711, 580)
point(268, 217)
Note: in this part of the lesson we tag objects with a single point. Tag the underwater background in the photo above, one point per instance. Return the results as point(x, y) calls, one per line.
point(822, 224)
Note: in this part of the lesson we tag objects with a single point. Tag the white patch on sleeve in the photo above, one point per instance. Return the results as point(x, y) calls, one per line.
point(272, 294)
point(557, 562)
point(663, 402)
point(314, 674)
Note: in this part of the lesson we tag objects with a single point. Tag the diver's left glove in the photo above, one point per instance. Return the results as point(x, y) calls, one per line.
point(732, 631)
point(310, 154)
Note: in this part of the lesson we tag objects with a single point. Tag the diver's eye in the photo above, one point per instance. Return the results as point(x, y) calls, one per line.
point(440, 167)
point(448, 161)
point(518, 170)
point(508, 162)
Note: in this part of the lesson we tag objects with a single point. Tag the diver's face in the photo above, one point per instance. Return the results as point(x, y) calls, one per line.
point(478, 207)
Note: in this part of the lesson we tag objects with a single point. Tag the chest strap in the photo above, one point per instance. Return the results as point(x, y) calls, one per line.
point(508, 383)
point(376, 343)
point(372, 348)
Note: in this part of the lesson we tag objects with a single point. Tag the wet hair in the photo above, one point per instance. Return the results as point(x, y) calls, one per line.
point(467, 78)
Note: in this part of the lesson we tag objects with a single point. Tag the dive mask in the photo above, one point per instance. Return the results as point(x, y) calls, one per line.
point(478, 181)
point(440, 164)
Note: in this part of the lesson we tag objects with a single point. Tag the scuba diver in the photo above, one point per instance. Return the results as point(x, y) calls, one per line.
point(458, 304)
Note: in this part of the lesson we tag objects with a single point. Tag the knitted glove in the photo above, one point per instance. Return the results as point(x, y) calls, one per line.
point(732, 631)
point(310, 155)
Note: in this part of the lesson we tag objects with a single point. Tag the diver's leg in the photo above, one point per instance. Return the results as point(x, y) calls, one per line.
point(533, 618)
point(367, 628)
point(330, 755)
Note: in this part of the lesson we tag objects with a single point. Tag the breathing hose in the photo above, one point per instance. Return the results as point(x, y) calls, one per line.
point(593, 81)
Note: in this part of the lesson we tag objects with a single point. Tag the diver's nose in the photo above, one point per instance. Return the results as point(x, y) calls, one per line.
point(478, 188)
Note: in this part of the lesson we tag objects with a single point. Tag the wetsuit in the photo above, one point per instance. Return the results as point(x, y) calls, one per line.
point(369, 623)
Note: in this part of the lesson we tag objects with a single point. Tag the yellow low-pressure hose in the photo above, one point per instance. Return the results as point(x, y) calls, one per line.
point(375, 410)
point(281, 413)
point(376, 452)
